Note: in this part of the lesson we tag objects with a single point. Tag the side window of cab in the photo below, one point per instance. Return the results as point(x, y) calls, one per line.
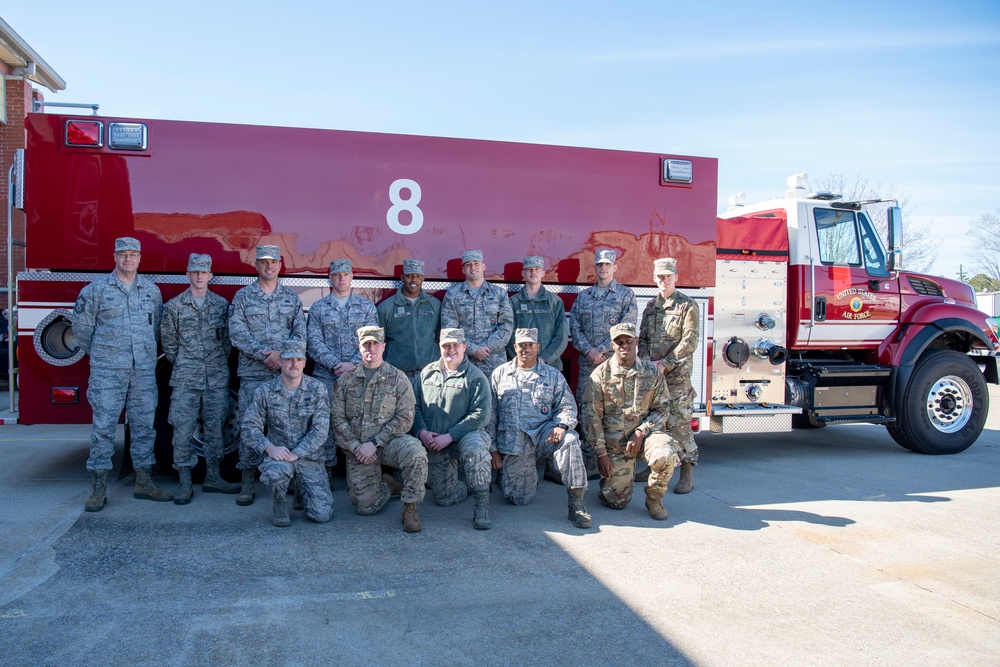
point(837, 237)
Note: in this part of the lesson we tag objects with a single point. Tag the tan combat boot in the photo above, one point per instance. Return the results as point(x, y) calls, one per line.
point(655, 506)
point(577, 510)
point(685, 483)
point(213, 482)
point(280, 517)
point(411, 522)
point(247, 488)
point(145, 489)
point(184, 493)
point(98, 491)
point(481, 512)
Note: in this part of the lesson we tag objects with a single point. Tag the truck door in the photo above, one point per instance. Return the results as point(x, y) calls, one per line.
point(856, 303)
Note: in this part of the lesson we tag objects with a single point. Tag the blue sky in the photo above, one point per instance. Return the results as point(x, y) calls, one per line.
point(905, 94)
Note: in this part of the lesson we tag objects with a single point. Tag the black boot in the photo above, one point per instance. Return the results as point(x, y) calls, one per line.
point(247, 488)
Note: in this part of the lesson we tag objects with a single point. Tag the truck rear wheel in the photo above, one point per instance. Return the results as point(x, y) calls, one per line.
point(945, 406)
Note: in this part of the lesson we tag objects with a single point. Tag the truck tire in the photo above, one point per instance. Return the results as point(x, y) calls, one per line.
point(945, 406)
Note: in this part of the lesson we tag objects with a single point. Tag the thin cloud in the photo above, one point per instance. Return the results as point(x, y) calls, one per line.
point(880, 42)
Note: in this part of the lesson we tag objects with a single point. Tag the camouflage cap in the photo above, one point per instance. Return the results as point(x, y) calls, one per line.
point(605, 257)
point(341, 266)
point(198, 262)
point(526, 336)
point(532, 261)
point(413, 266)
point(623, 329)
point(127, 243)
point(268, 252)
point(667, 266)
point(293, 349)
point(376, 334)
point(472, 256)
point(451, 336)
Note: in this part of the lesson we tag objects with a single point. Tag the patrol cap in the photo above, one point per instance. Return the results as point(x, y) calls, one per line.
point(532, 261)
point(623, 329)
point(451, 336)
point(341, 266)
point(605, 256)
point(413, 266)
point(376, 334)
point(472, 256)
point(526, 336)
point(666, 266)
point(127, 243)
point(268, 252)
point(293, 349)
point(198, 262)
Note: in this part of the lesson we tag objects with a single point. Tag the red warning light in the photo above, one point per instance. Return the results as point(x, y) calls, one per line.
point(89, 133)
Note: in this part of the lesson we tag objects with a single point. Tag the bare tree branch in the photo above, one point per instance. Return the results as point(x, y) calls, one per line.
point(985, 251)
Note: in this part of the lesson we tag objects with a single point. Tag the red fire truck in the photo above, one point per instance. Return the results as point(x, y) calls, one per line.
point(806, 316)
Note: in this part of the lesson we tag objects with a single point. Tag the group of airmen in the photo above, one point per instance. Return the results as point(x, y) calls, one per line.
point(451, 395)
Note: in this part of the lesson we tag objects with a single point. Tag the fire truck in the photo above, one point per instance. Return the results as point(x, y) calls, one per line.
point(807, 318)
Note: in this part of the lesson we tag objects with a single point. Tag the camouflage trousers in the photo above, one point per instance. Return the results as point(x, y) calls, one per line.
point(186, 405)
point(682, 397)
point(108, 392)
point(473, 451)
point(582, 384)
point(659, 451)
point(365, 488)
point(519, 474)
point(249, 458)
point(330, 447)
point(311, 478)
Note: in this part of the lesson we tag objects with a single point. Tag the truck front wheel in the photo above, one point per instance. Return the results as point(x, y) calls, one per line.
point(945, 406)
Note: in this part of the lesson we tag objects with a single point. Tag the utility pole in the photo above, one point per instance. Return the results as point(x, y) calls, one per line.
point(961, 273)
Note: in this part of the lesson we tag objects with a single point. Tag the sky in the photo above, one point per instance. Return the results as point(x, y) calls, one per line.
point(903, 94)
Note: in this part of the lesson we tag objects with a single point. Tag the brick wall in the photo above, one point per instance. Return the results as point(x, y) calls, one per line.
point(19, 96)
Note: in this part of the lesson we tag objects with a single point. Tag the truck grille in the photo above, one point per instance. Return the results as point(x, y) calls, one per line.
point(924, 286)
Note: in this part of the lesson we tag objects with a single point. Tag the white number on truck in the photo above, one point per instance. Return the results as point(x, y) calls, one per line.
point(409, 204)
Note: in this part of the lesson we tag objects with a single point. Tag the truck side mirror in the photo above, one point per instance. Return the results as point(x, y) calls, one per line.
point(895, 215)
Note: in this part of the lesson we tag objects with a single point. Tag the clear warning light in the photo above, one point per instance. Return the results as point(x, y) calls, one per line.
point(127, 136)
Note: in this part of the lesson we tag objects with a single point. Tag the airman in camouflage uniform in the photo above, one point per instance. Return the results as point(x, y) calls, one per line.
point(626, 411)
point(411, 320)
point(595, 311)
point(332, 334)
point(453, 411)
point(482, 310)
point(195, 338)
point(295, 411)
point(668, 337)
point(533, 417)
point(116, 321)
point(372, 412)
point(537, 308)
point(263, 315)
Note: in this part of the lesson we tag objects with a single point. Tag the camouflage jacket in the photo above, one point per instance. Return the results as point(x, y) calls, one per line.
point(593, 314)
point(547, 313)
point(457, 405)
point(532, 406)
point(119, 328)
point(377, 412)
point(260, 322)
point(196, 341)
point(411, 330)
point(486, 317)
point(302, 423)
point(333, 331)
point(669, 332)
point(621, 400)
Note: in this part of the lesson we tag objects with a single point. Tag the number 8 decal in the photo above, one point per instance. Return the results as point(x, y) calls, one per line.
point(409, 204)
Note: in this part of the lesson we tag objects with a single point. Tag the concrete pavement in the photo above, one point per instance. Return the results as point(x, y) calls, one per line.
point(833, 546)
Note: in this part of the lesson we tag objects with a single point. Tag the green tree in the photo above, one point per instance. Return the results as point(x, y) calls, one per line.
point(983, 283)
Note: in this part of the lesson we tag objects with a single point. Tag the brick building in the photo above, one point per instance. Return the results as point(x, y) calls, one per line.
point(21, 67)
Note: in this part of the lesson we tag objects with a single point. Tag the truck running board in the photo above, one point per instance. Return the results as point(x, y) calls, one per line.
point(856, 419)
